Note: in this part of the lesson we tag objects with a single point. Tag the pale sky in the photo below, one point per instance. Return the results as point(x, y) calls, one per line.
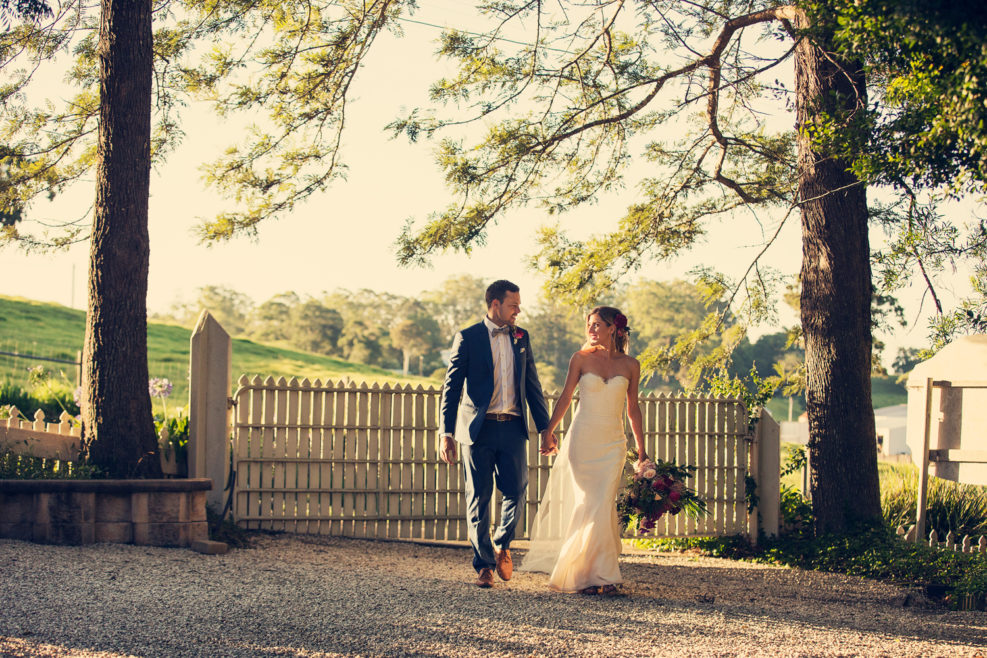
point(344, 238)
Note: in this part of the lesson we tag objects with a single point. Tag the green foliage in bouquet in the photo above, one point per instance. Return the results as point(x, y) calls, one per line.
point(654, 489)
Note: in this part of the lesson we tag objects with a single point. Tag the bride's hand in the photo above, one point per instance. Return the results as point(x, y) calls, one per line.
point(642, 459)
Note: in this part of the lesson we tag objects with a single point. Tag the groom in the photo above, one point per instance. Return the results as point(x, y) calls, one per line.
point(490, 383)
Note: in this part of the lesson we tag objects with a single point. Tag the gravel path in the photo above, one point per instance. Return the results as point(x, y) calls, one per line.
point(308, 596)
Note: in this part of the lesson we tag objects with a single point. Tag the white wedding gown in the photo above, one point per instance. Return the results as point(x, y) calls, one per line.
point(576, 536)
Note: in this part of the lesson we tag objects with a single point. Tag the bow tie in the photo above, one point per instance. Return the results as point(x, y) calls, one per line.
point(506, 329)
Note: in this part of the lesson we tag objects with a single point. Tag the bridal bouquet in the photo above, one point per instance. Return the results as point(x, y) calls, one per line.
point(654, 489)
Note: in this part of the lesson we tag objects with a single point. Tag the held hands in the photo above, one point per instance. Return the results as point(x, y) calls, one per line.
point(447, 449)
point(549, 444)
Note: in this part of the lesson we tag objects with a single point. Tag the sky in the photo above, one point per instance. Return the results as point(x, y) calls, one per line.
point(344, 237)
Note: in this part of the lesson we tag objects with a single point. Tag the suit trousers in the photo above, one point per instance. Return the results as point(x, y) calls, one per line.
point(500, 451)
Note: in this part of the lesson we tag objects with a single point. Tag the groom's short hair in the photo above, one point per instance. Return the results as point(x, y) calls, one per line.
point(499, 289)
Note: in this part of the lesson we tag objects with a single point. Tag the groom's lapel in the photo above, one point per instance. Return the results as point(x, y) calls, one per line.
point(516, 345)
point(483, 337)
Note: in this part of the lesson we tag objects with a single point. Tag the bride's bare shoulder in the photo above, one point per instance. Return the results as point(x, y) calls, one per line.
point(631, 363)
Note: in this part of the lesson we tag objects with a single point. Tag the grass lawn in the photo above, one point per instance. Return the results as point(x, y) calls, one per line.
point(885, 392)
point(54, 331)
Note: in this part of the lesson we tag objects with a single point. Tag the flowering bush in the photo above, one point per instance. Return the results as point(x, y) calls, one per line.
point(654, 489)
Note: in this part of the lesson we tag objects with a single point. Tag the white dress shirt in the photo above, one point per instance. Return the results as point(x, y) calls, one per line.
point(504, 399)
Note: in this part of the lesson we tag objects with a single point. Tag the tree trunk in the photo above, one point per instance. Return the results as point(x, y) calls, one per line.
point(836, 302)
point(116, 410)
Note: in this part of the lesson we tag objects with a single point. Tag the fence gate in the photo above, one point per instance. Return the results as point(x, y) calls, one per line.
point(359, 461)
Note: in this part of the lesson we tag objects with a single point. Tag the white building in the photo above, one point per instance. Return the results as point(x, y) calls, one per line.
point(889, 422)
point(891, 425)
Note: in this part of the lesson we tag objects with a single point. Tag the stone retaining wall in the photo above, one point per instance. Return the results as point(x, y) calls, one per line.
point(148, 512)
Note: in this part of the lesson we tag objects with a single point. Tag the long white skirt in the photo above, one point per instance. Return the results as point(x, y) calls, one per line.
point(576, 534)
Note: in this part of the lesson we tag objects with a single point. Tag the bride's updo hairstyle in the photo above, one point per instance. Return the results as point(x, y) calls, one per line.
point(614, 318)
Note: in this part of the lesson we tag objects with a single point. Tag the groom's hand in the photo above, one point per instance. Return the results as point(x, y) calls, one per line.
point(447, 449)
point(549, 444)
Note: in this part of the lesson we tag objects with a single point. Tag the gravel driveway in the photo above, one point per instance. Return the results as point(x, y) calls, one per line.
point(308, 596)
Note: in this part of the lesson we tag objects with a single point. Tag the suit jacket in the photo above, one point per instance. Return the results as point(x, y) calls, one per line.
point(468, 386)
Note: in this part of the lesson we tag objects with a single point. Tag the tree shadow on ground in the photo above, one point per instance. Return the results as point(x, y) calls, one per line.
point(299, 595)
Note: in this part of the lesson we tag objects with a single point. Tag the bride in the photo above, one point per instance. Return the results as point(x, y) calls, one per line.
point(576, 536)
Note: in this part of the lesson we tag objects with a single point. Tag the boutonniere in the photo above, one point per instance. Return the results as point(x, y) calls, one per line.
point(518, 335)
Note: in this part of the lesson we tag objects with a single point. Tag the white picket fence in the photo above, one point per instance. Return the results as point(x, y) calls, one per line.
point(38, 438)
point(951, 542)
point(362, 461)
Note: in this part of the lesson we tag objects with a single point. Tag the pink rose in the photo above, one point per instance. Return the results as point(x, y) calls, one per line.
point(646, 465)
point(649, 474)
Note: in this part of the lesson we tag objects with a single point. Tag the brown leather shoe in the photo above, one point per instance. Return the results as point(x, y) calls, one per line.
point(485, 578)
point(505, 566)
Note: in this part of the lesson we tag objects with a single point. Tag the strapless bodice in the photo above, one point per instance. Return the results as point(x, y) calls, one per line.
point(601, 400)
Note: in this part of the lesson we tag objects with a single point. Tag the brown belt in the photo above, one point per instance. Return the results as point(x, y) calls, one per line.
point(502, 418)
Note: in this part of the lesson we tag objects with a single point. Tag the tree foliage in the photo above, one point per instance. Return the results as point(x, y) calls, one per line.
point(457, 302)
point(927, 62)
point(685, 85)
point(28, 10)
point(290, 63)
point(416, 335)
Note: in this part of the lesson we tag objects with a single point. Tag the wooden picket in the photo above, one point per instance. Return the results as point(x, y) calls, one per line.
point(341, 459)
point(951, 542)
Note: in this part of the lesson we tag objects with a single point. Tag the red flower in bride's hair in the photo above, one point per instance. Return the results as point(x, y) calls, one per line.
point(620, 322)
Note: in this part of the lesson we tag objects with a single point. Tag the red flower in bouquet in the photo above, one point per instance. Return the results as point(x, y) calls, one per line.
point(655, 488)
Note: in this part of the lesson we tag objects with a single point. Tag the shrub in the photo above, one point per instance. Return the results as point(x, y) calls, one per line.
point(960, 508)
point(19, 467)
point(52, 399)
point(796, 516)
point(177, 436)
point(871, 553)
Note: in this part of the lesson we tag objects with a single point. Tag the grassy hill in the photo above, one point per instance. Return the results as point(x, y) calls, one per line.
point(57, 332)
point(885, 392)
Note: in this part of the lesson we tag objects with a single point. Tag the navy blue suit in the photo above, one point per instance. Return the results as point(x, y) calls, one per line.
point(490, 447)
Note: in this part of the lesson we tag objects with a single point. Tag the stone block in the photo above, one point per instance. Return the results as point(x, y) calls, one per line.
point(23, 530)
point(40, 532)
point(162, 534)
point(197, 505)
point(198, 530)
point(17, 508)
point(41, 509)
point(139, 534)
point(167, 507)
point(71, 534)
point(71, 507)
point(138, 508)
point(114, 532)
point(112, 508)
point(209, 547)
